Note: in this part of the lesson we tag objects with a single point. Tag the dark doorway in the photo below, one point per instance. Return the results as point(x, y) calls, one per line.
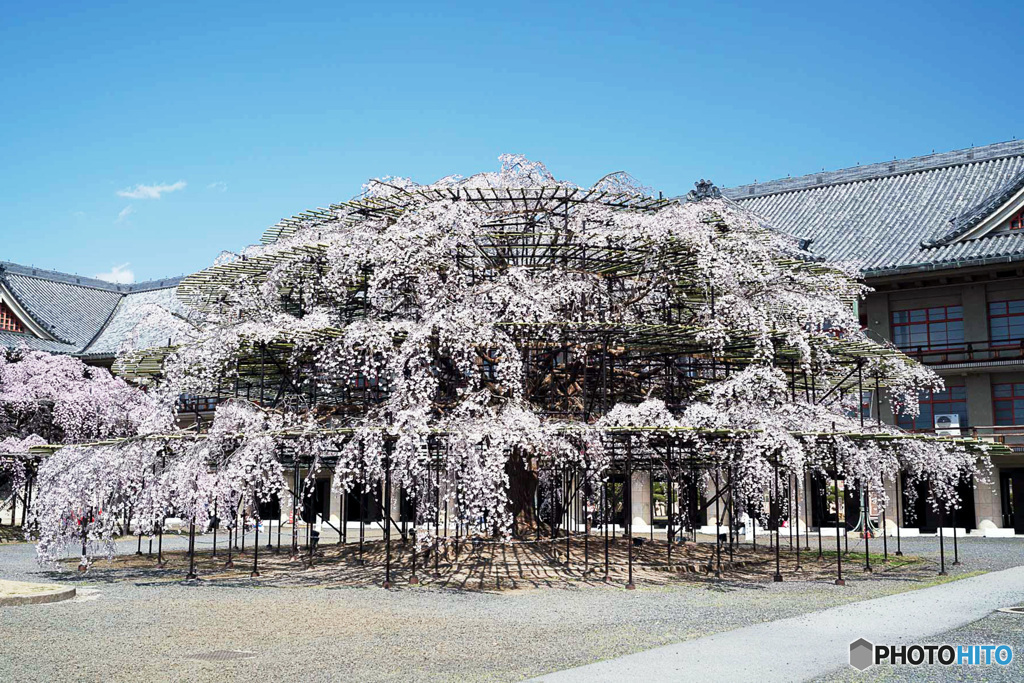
point(1011, 489)
point(407, 507)
point(364, 503)
point(270, 509)
point(823, 503)
point(318, 502)
point(921, 514)
point(691, 501)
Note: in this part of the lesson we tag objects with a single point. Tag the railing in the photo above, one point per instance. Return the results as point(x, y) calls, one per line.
point(191, 404)
point(967, 352)
point(1008, 435)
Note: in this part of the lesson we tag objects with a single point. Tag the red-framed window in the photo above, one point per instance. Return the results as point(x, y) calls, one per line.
point(1017, 222)
point(939, 327)
point(1006, 320)
point(8, 321)
point(1008, 403)
point(949, 401)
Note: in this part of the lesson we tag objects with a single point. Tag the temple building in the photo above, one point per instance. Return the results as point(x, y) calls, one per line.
point(940, 239)
point(85, 317)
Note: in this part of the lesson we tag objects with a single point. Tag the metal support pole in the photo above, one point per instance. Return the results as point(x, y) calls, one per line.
point(839, 556)
point(899, 502)
point(956, 552)
point(295, 503)
point(668, 497)
point(387, 516)
point(821, 513)
point(437, 518)
point(718, 525)
point(732, 519)
point(942, 545)
point(230, 563)
point(607, 519)
point(191, 551)
point(796, 518)
point(628, 510)
point(789, 509)
point(413, 580)
point(866, 498)
point(778, 541)
point(256, 547)
point(807, 510)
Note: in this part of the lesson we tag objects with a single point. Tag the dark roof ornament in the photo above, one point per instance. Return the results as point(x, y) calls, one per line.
point(705, 190)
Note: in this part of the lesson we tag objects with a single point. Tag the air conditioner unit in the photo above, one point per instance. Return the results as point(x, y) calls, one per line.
point(947, 425)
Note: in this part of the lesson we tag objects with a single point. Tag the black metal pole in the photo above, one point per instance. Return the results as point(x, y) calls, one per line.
point(956, 520)
point(387, 516)
point(191, 551)
point(778, 540)
point(628, 511)
point(230, 563)
point(867, 527)
point(216, 523)
point(256, 547)
point(295, 508)
point(822, 492)
point(796, 518)
point(899, 502)
point(942, 546)
point(718, 525)
point(607, 518)
point(731, 512)
point(839, 556)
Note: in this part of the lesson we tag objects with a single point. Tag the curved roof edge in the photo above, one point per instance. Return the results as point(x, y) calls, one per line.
point(879, 170)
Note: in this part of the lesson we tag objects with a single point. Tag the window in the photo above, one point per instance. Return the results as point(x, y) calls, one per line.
point(8, 322)
point(1017, 222)
point(936, 328)
point(1006, 320)
point(950, 401)
point(1008, 403)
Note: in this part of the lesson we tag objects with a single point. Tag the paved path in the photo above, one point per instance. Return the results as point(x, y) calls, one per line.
point(799, 648)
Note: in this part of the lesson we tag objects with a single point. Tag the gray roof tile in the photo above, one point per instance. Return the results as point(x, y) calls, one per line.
point(880, 215)
point(87, 316)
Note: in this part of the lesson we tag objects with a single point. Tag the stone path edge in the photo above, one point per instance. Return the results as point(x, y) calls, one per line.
point(60, 594)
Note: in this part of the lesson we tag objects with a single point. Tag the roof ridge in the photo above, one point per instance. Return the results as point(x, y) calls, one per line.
point(883, 169)
point(89, 282)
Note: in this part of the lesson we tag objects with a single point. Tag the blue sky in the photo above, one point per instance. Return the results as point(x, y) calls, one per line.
point(245, 113)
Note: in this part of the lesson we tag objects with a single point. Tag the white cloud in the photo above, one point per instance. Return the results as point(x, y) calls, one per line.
point(124, 213)
point(120, 275)
point(218, 186)
point(150, 191)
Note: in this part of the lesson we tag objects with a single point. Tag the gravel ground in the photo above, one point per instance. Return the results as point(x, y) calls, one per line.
point(151, 629)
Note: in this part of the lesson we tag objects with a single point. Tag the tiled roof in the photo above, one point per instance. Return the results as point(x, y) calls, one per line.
point(84, 315)
point(899, 215)
point(71, 313)
point(164, 314)
point(14, 340)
